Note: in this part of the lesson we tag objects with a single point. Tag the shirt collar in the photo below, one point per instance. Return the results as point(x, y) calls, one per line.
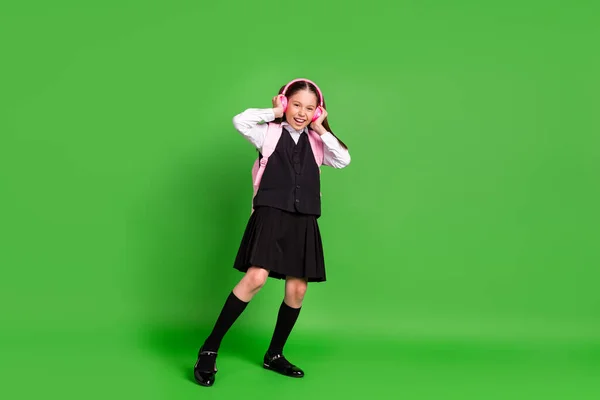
point(292, 130)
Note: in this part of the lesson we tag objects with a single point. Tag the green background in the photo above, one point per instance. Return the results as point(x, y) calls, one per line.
point(461, 243)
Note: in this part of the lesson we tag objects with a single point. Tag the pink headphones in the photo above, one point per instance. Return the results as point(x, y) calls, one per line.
point(284, 100)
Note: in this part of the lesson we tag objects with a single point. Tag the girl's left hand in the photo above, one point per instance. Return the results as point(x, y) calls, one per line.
point(317, 125)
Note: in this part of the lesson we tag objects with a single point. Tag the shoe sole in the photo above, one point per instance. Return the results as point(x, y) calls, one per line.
point(267, 366)
point(202, 383)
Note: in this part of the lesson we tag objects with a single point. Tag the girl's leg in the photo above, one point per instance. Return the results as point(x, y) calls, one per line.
point(238, 299)
point(289, 310)
point(295, 289)
point(236, 303)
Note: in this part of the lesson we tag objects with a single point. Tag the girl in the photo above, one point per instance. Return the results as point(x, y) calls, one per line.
point(282, 238)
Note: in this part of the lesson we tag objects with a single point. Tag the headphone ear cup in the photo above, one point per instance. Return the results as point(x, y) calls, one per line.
point(317, 114)
point(284, 102)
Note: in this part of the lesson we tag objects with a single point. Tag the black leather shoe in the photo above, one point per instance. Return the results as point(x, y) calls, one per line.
point(205, 368)
point(279, 364)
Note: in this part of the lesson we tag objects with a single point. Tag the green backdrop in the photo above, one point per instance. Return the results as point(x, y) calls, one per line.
point(461, 243)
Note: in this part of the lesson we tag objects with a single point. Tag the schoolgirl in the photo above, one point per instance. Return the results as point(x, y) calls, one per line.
point(282, 238)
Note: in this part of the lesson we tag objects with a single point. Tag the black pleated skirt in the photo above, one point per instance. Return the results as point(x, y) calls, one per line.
point(286, 244)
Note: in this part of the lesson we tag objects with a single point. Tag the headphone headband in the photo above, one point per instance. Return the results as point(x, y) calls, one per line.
point(305, 80)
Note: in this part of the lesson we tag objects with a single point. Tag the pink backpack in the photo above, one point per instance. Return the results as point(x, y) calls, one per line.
point(271, 138)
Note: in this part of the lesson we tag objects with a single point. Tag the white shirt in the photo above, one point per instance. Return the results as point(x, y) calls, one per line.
point(249, 124)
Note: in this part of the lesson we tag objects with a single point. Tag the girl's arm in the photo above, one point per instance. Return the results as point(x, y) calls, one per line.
point(250, 124)
point(334, 154)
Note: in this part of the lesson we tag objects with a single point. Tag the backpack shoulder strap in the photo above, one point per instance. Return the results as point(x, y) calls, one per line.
point(271, 138)
point(317, 146)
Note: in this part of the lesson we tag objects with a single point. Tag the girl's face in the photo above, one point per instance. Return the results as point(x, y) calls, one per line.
point(301, 108)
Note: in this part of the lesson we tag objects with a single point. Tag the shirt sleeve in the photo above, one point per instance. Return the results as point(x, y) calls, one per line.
point(250, 123)
point(334, 154)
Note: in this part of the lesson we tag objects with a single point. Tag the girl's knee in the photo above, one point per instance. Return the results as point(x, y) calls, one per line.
point(296, 289)
point(257, 277)
point(300, 289)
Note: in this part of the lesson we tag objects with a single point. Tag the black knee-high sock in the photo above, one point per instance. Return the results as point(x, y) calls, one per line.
point(232, 309)
point(286, 318)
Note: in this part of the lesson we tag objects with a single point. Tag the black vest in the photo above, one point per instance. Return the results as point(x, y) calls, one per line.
point(291, 180)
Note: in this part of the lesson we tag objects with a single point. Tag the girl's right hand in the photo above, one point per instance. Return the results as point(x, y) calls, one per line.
point(277, 107)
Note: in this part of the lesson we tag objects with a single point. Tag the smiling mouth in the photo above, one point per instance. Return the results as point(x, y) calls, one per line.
point(299, 121)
